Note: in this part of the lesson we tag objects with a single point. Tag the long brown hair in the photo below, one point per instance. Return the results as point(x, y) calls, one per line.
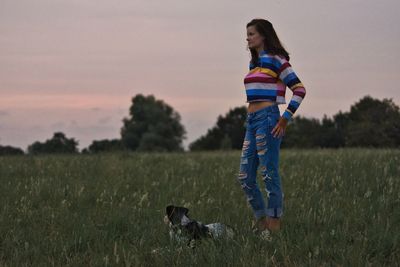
point(271, 42)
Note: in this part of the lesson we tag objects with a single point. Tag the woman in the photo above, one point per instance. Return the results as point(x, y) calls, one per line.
point(269, 74)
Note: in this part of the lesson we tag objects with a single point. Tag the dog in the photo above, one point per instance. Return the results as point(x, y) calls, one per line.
point(184, 229)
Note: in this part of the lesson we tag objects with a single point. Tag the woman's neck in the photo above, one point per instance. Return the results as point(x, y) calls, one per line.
point(260, 50)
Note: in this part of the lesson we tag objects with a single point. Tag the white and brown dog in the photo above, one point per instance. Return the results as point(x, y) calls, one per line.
point(184, 229)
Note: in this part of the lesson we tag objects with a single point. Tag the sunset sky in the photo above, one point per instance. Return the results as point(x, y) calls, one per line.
point(74, 65)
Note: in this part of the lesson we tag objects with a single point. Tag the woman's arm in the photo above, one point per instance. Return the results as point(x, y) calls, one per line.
point(290, 79)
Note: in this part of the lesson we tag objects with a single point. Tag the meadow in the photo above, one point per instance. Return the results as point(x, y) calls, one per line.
point(342, 208)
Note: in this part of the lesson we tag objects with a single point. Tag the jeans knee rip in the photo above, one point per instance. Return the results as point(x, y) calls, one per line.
point(246, 144)
point(261, 143)
point(245, 148)
point(242, 175)
point(245, 186)
point(263, 169)
point(266, 176)
point(260, 136)
point(268, 192)
point(261, 152)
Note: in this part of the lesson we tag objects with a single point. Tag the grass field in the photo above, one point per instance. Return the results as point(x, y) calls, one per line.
point(342, 207)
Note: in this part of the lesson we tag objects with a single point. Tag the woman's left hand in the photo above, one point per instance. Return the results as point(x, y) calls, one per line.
point(280, 128)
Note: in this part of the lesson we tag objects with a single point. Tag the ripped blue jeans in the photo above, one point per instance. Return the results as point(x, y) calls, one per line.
point(261, 148)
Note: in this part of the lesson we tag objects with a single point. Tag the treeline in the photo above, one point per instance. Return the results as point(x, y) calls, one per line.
point(369, 123)
point(153, 125)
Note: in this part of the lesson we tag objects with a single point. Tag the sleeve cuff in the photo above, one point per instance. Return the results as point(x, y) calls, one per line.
point(287, 115)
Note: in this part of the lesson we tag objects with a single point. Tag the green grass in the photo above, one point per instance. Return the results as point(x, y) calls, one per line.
point(342, 207)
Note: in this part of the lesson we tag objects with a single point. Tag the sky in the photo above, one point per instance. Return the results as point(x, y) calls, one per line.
point(75, 65)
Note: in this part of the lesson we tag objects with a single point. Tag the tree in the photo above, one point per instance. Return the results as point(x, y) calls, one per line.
point(228, 133)
point(210, 141)
point(309, 132)
point(59, 143)
point(301, 132)
point(373, 123)
point(329, 134)
point(153, 126)
point(104, 146)
point(9, 150)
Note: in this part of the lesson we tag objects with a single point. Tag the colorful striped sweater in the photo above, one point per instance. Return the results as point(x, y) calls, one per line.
point(267, 81)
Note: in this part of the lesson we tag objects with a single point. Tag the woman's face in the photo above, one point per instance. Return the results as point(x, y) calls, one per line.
point(254, 39)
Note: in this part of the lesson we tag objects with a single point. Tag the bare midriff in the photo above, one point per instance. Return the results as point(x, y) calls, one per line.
point(254, 106)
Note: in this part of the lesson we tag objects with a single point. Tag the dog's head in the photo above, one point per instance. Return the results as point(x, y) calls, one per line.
point(180, 224)
point(177, 215)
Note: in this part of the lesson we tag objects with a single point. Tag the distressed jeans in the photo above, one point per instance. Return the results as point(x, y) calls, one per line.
point(261, 148)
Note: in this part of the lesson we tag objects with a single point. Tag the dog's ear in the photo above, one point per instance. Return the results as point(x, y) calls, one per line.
point(169, 210)
point(175, 214)
point(173, 209)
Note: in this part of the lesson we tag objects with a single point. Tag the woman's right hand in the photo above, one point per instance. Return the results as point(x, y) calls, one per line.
point(280, 128)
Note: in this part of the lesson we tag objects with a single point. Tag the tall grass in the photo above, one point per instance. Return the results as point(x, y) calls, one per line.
point(342, 207)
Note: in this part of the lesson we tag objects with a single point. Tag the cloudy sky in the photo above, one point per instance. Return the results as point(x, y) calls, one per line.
point(74, 65)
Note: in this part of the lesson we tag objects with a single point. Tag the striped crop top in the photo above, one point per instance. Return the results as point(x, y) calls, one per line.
point(267, 81)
